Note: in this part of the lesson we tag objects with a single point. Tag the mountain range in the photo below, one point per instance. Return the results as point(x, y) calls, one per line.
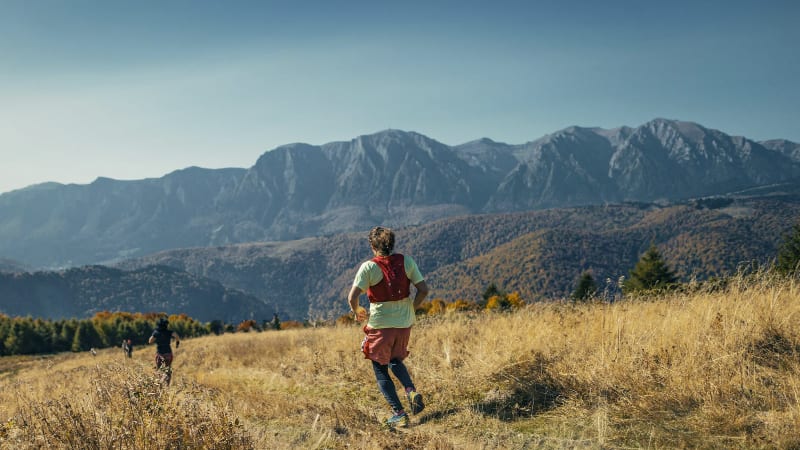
point(393, 177)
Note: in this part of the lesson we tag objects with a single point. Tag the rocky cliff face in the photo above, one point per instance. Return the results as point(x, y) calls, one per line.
point(788, 148)
point(391, 177)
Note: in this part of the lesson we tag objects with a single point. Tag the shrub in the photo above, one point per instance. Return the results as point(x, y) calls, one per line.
point(247, 325)
point(504, 302)
point(462, 305)
point(289, 324)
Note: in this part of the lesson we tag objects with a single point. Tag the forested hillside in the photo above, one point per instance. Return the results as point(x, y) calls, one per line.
point(538, 254)
point(82, 292)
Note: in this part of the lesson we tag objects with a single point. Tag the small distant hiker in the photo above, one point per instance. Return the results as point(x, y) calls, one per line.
point(162, 336)
point(276, 322)
point(127, 347)
point(386, 279)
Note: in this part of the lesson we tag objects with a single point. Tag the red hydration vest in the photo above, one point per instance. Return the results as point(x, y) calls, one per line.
point(395, 283)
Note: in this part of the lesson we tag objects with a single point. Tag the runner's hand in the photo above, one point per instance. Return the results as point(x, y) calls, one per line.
point(361, 314)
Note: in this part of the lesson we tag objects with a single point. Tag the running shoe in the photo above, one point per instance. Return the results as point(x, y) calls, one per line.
point(399, 419)
point(415, 400)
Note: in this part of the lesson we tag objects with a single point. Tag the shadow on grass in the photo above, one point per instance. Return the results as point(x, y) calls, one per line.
point(436, 415)
point(522, 390)
point(774, 349)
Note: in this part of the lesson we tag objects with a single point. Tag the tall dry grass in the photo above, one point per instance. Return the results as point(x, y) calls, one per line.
point(691, 369)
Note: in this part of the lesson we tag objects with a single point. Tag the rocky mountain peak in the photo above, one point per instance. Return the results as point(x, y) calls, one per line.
point(393, 176)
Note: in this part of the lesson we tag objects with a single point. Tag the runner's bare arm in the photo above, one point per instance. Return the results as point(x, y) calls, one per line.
point(352, 299)
point(422, 292)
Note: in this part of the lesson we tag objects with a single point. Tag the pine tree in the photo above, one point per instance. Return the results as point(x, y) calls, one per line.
point(216, 326)
point(789, 252)
point(586, 288)
point(22, 339)
point(86, 337)
point(651, 272)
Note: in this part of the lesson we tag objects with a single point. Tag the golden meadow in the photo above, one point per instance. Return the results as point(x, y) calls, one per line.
point(695, 368)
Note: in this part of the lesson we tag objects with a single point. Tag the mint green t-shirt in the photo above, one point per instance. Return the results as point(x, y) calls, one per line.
point(396, 314)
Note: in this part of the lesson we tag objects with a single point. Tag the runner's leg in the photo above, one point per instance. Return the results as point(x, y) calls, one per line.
point(399, 370)
point(386, 385)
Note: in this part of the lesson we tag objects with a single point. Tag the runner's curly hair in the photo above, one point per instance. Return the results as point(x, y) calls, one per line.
point(382, 240)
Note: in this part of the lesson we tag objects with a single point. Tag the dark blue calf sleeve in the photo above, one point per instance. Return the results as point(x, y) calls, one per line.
point(386, 385)
point(399, 370)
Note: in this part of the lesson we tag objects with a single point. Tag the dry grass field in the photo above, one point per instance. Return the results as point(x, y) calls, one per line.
point(702, 369)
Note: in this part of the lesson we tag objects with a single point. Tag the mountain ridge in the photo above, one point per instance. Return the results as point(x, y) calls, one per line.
point(393, 177)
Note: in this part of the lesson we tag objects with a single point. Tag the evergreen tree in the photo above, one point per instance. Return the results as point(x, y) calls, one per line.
point(67, 337)
point(651, 272)
point(86, 337)
point(5, 326)
point(43, 335)
point(586, 288)
point(22, 339)
point(216, 326)
point(789, 252)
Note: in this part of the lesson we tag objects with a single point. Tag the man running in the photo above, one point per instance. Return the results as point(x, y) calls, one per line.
point(385, 279)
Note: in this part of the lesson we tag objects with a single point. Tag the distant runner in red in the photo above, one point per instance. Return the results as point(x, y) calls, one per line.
point(162, 336)
point(386, 280)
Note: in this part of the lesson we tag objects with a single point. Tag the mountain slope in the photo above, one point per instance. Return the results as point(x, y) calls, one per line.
point(539, 254)
point(82, 292)
point(392, 177)
point(788, 148)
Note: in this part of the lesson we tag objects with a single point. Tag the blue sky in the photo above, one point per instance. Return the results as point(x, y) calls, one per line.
point(138, 89)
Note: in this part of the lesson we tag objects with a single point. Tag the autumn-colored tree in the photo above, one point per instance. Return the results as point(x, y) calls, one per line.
point(515, 301)
point(462, 305)
point(247, 325)
point(504, 302)
point(438, 306)
point(345, 320)
point(490, 292)
point(290, 324)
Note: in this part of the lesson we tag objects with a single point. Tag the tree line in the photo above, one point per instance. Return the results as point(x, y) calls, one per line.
point(651, 272)
point(28, 336)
